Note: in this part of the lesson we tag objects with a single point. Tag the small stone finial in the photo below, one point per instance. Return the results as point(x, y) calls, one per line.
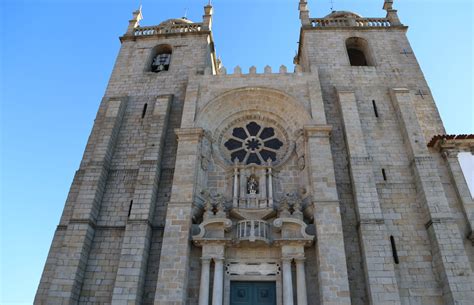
point(137, 15)
point(223, 70)
point(304, 12)
point(392, 14)
point(135, 21)
point(388, 5)
point(268, 70)
point(253, 70)
point(238, 70)
point(283, 69)
point(207, 18)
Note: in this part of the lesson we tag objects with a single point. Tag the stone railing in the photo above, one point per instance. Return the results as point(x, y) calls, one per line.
point(168, 29)
point(348, 22)
point(253, 230)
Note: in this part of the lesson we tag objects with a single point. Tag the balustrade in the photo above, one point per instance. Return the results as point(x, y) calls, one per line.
point(253, 230)
point(168, 29)
point(348, 22)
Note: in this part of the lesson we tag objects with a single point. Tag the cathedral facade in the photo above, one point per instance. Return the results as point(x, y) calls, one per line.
point(330, 184)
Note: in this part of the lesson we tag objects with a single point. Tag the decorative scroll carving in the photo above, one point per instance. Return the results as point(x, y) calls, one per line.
point(214, 205)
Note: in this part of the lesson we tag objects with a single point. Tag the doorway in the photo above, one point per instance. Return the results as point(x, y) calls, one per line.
point(252, 293)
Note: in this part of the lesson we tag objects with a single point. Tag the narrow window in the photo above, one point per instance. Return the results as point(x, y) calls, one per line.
point(144, 110)
point(375, 109)
point(130, 208)
point(384, 174)
point(394, 250)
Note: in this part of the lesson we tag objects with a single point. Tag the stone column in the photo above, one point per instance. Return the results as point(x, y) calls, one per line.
point(449, 255)
point(136, 242)
point(174, 262)
point(301, 296)
point(332, 265)
point(287, 282)
point(65, 285)
point(218, 288)
point(204, 285)
point(270, 187)
point(236, 187)
point(376, 249)
point(462, 189)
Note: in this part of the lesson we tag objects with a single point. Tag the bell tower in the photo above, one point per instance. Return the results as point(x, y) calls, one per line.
point(383, 116)
point(115, 212)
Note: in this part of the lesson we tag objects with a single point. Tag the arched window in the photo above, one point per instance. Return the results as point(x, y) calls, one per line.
point(161, 59)
point(358, 52)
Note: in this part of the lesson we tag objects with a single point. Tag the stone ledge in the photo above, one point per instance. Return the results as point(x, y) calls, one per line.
point(189, 134)
point(319, 131)
point(439, 220)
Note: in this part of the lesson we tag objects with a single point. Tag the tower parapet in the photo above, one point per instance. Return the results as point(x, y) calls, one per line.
point(170, 26)
point(349, 19)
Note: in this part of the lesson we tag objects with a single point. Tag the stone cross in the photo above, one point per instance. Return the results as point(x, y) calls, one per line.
point(406, 52)
point(421, 94)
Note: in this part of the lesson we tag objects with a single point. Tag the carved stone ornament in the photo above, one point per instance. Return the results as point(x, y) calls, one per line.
point(301, 163)
point(204, 163)
point(214, 205)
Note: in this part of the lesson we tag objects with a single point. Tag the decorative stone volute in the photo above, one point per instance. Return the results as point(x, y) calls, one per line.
point(213, 230)
point(214, 205)
point(290, 221)
point(293, 231)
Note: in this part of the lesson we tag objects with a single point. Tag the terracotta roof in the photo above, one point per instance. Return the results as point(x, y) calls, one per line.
point(437, 138)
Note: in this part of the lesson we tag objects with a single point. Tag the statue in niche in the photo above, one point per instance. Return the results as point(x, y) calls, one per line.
point(252, 185)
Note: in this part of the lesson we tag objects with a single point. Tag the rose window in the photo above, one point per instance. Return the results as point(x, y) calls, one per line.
point(253, 144)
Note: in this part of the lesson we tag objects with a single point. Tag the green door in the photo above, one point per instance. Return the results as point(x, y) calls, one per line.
point(252, 293)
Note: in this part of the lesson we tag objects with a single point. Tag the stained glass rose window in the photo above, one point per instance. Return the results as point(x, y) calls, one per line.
point(253, 143)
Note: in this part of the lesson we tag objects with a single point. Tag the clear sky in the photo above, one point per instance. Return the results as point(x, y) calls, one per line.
point(57, 56)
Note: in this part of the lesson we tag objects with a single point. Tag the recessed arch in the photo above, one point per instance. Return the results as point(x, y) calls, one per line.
point(160, 59)
point(277, 116)
point(358, 52)
point(253, 100)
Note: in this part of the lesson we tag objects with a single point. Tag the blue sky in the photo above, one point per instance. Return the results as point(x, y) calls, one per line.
point(57, 56)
